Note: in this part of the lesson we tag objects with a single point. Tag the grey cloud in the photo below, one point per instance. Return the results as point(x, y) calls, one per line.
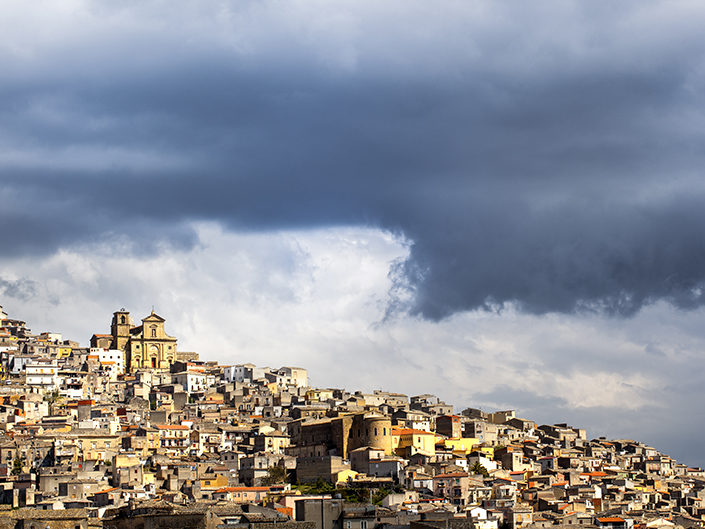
point(530, 405)
point(559, 174)
point(22, 289)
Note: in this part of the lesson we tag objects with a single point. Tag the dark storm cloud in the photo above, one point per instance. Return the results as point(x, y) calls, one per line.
point(18, 288)
point(553, 163)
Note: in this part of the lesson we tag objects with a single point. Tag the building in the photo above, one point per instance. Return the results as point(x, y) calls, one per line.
point(174, 439)
point(114, 357)
point(407, 442)
point(146, 346)
point(343, 434)
point(453, 486)
point(193, 381)
point(294, 376)
point(42, 376)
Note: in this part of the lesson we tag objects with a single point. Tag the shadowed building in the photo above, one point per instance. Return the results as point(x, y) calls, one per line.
point(341, 434)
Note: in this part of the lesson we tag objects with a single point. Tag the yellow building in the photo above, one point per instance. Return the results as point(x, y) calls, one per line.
point(486, 450)
point(408, 441)
point(146, 346)
point(319, 395)
point(344, 476)
point(150, 346)
point(124, 460)
point(272, 442)
point(462, 445)
point(149, 478)
point(63, 351)
point(214, 483)
point(96, 447)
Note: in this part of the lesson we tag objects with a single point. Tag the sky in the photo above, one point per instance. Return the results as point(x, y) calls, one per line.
point(497, 202)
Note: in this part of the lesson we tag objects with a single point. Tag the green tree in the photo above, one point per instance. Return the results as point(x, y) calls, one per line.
point(477, 468)
point(275, 475)
point(17, 466)
point(317, 487)
point(52, 397)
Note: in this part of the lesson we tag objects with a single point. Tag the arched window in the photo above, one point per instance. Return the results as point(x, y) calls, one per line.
point(122, 319)
point(154, 331)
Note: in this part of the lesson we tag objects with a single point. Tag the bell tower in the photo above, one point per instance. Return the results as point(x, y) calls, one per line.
point(120, 329)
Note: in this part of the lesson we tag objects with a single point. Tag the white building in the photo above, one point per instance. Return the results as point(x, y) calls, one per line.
point(229, 373)
point(192, 381)
point(285, 376)
point(71, 386)
point(42, 376)
point(110, 357)
point(17, 362)
point(53, 337)
point(109, 425)
point(244, 373)
point(294, 376)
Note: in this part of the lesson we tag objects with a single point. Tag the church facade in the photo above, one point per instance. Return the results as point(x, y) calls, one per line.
point(145, 346)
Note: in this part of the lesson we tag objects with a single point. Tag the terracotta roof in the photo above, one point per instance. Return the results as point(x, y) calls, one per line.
point(243, 489)
point(613, 519)
point(410, 431)
point(107, 490)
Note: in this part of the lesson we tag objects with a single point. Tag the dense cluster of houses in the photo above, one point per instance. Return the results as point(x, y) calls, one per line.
point(131, 432)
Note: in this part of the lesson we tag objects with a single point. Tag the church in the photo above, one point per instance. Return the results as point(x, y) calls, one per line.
point(145, 346)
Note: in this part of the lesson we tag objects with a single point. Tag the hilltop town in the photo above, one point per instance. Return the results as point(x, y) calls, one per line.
point(132, 432)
